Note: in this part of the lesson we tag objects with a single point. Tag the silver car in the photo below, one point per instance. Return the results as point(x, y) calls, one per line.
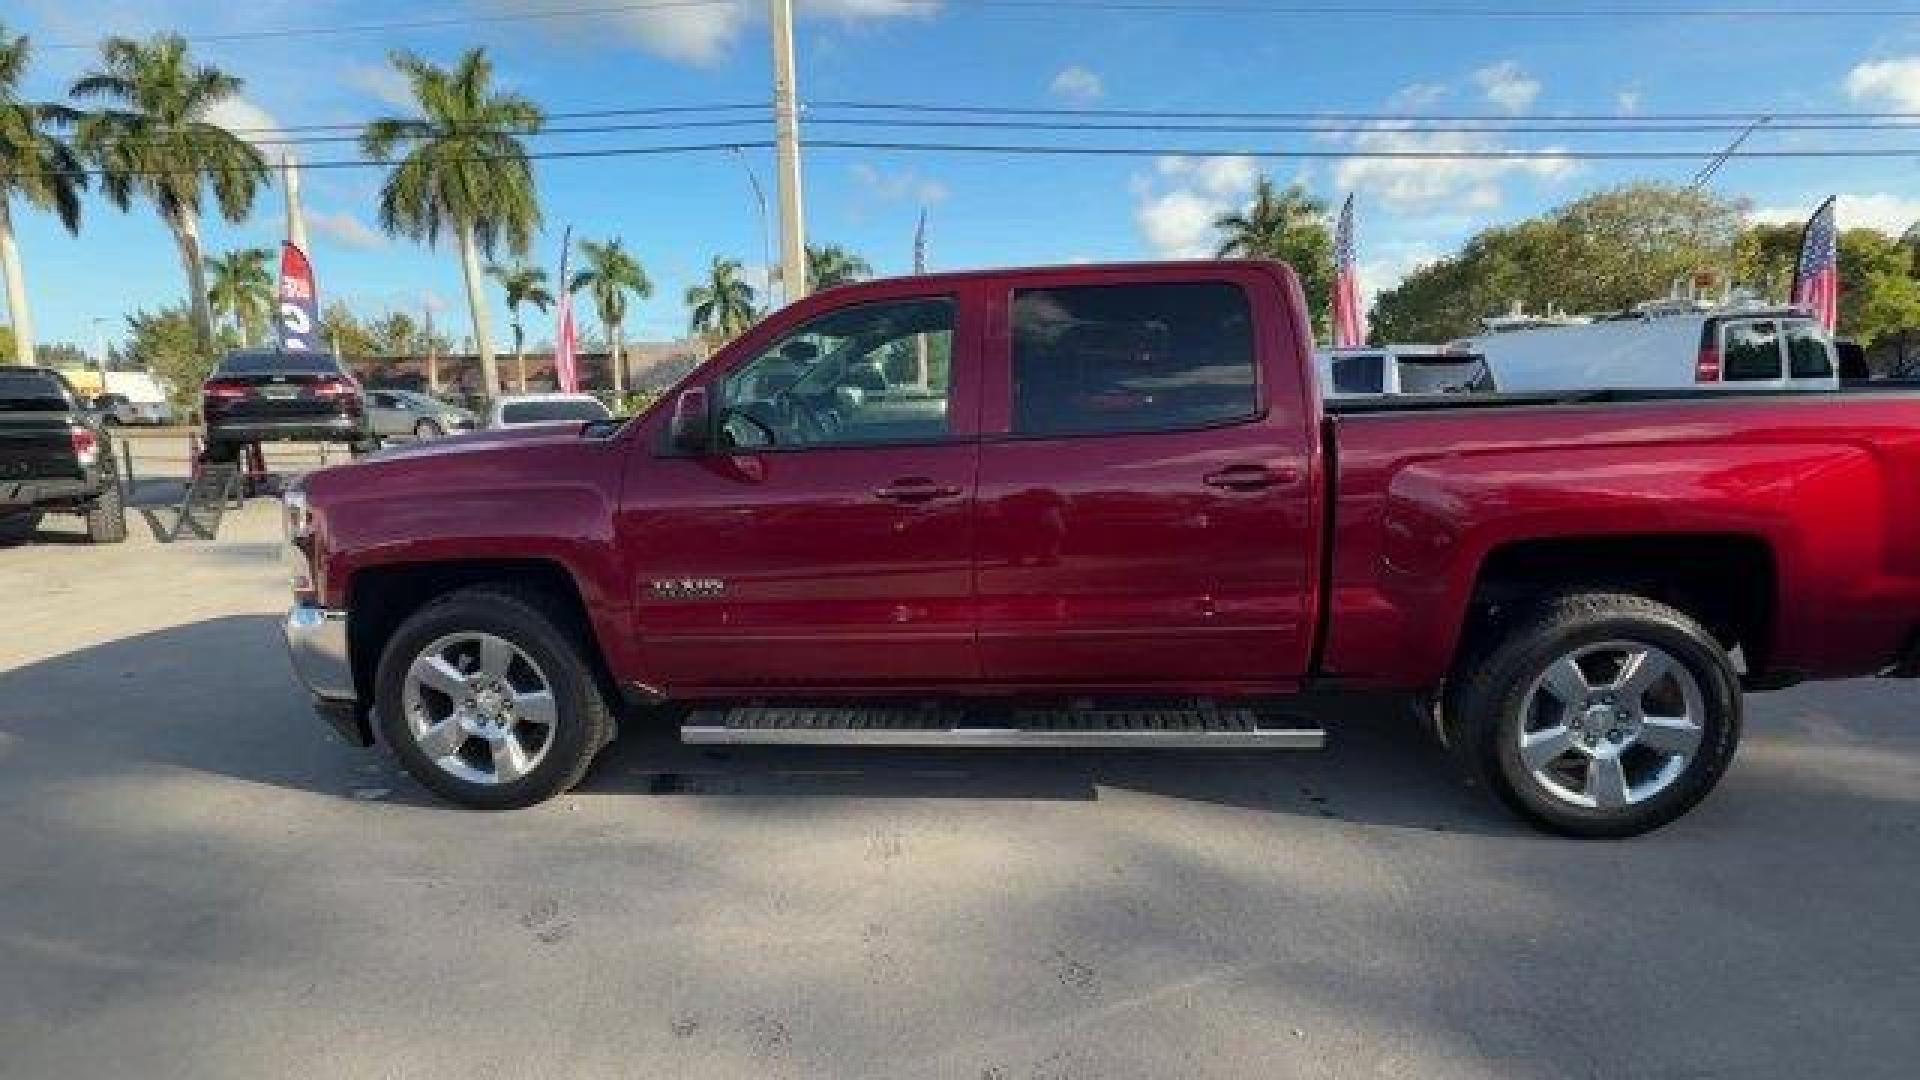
point(404, 412)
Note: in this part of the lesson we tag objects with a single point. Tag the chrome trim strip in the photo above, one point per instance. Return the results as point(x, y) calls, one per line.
point(1269, 738)
point(317, 644)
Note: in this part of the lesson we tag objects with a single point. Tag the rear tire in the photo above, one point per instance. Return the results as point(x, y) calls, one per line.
point(107, 516)
point(19, 525)
point(449, 713)
point(1598, 715)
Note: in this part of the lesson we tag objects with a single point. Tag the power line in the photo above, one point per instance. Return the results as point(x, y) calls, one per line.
point(1018, 110)
point(1176, 7)
point(1026, 149)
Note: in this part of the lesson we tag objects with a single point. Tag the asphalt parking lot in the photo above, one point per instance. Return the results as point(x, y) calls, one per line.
point(198, 880)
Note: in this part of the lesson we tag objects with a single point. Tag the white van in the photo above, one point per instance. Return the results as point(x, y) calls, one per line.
point(1401, 369)
point(1666, 345)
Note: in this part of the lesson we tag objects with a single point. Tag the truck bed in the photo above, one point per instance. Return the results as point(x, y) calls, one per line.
point(1426, 492)
point(1395, 403)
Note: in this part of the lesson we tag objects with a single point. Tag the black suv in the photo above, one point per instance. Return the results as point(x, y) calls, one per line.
point(267, 396)
point(54, 457)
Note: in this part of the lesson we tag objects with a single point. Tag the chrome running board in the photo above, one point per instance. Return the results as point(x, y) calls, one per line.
point(1040, 728)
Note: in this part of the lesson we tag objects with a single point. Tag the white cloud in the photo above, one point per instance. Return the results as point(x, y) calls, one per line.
point(704, 33)
point(1892, 214)
point(1175, 209)
point(382, 82)
point(890, 186)
point(1628, 101)
point(1380, 274)
point(1507, 85)
point(1077, 84)
point(1895, 82)
point(249, 121)
point(1413, 181)
point(1417, 96)
point(343, 228)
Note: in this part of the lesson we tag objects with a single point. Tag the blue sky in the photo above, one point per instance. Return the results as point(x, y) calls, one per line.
point(678, 211)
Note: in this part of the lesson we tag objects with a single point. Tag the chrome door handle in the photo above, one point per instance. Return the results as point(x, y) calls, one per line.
point(1250, 477)
point(916, 490)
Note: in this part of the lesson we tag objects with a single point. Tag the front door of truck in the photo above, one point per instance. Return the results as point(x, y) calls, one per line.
point(1146, 477)
point(827, 540)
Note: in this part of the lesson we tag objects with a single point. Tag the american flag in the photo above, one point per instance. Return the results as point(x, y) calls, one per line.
point(565, 368)
point(1816, 279)
point(1349, 324)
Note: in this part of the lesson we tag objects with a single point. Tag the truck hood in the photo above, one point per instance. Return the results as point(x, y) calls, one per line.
point(489, 440)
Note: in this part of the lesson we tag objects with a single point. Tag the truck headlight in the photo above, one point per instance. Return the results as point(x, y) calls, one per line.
point(297, 515)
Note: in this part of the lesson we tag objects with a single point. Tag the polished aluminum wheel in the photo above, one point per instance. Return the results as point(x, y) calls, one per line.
point(1610, 725)
point(479, 708)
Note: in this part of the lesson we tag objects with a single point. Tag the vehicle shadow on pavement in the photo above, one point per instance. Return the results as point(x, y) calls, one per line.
point(219, 696)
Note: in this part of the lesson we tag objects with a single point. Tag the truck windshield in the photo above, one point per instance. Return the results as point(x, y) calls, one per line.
point(31, 391)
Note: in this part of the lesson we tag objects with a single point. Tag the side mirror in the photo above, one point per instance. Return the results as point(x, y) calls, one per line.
point(691, 430)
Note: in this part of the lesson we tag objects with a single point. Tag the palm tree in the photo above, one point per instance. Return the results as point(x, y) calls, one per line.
point(461, 167)
point(1291, 226)
point(40, 168)
point(153, 140)
point(241, 290)
point(611, 273)
point(523, 283)
point(723, 306)
point(831, 264)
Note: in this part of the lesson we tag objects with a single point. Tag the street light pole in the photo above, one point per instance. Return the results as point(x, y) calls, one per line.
point(786, 138)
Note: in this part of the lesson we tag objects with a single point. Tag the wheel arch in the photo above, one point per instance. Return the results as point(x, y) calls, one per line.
point(380, 598)
point(1728, 582)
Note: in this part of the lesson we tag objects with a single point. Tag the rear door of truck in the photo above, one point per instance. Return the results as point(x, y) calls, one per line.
point(1146, 508)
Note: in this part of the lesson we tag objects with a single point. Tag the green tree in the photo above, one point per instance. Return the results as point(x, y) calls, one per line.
point(395, 334)
point(38, 167)
point(610, 275)
point(460, 166)
point(523, 283)
point(830, 264)
point(1289, 225)
point(166, 343)
point(343, 331)
point(153, 140)
point(240, 288)
point(1877, 279)
point(1604, 252)
point(723, 306)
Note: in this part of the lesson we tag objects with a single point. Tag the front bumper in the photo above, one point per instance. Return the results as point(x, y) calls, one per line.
point(317, 644)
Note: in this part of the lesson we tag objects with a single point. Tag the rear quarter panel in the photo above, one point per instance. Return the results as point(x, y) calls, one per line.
point(1828, 483)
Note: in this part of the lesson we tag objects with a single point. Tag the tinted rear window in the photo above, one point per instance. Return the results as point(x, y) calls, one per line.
point(267, 363)
point(1752, 351)
point(1359, 374)
point(1808, 356)
point(1113, 358)
point(31, 391)
point(549, 412)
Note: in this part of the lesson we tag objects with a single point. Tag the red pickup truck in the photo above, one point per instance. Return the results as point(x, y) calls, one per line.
point(1107, 505)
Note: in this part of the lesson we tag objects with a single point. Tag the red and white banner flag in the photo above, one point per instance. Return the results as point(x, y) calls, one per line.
point(1816, 277)
point(299, 316)
point(565, 365)
point(1349, 322)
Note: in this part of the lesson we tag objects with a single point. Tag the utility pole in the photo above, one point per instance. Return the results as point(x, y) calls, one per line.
point(296, 220)
point(786, 138)
point(922, 359)
point(433, 351)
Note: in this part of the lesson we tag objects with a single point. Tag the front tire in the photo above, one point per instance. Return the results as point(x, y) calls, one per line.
point(107, 516)
point(427, 429)
point(489, 702)
point(1601, 715)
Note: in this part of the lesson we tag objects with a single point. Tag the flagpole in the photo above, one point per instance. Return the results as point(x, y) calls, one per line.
point(296, 217)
